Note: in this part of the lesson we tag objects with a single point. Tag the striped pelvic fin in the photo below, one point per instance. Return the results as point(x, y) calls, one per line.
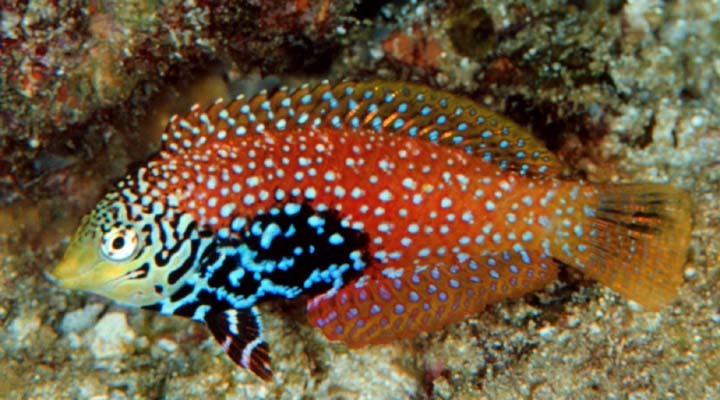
point(392, 108)
point(239, 333)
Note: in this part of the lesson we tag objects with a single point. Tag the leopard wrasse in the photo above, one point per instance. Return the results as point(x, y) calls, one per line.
point(386, 208)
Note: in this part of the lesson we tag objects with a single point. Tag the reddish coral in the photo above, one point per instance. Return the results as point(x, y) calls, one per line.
point(414, 49)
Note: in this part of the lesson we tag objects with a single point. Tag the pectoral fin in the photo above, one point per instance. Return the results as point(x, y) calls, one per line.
point(240, 334)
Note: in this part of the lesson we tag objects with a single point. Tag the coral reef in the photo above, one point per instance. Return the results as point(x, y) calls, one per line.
point(623, 91)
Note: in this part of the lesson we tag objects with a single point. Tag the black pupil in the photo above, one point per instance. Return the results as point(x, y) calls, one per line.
point(118, 243)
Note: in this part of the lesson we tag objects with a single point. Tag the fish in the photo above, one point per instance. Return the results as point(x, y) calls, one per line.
point(383, 208)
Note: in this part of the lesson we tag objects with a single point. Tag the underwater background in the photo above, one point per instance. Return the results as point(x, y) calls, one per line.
point(622, 91)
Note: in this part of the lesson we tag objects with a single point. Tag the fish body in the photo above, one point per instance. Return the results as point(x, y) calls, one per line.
point(389, 208)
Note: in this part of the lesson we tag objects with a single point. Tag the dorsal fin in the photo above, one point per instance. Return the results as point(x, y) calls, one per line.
point(394, 108)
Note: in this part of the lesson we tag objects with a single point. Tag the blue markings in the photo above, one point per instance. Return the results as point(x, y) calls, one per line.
point(368, 94)
point(402, 107)
point(458, 111)
point(291, 208)
point(327, 96)
point(462, 127)
point(443, 102)
point(303, 118)
point(265, 105)
point(520, 154)
point(286, 102)
point(521, 142)
point(504, 144)
point(316, 221)
point(486, 134)
point(420, 97)
point(306, 99)
point(441, 119)
point(413, 131)
point(352, 104)
point(376, 123)
point(457, 139)
point(426, 110)
point(487, 156)
point(505, 131)
point(434, 135)
point(349, 90)
point(372, 107)
point(398, 123)
point(336, 122)
point(535, 155)
point(245, 109)
point(355, 122)
point(389, 97)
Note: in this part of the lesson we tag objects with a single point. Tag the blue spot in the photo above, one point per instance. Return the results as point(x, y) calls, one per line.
point(352, 104)
point(458, 111)
point(462, 126)
point(487, 156)
point(327, 96)
point(486, 134)
point(520, 143)
point(505, 131)
point(402, 107)
point(377, 123)
point(504, 144)
point(349, 90)
point(355, 122)
point(425, 110)
point(413, 131)
point(389, 97)
point(434, 135)
point(265, 105)
point(457, 139)
point(368, 94)
point(443, 102)
point(420, 97)
point(399, 309)
point(306, 99)
point(285, 102)
point(480, 120)
point(372, 107)
point(398, 123)
point(441, 119)
point(520, 154)
point(303, 118)
point(245, 109)
point(335, 121)
point(281, 124)
point(414, 297)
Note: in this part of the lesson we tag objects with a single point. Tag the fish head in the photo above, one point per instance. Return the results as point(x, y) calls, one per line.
point(112, 254)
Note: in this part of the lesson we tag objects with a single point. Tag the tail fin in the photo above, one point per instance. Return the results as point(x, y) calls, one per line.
point(638, 241)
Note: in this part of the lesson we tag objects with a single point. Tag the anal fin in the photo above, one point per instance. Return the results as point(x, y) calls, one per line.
point(378, 309)
point(239, 333)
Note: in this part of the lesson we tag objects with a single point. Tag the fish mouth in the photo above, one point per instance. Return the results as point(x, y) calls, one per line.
point(77, 270)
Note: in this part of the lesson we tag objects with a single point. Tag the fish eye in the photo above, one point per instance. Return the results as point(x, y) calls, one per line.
point(119, 243)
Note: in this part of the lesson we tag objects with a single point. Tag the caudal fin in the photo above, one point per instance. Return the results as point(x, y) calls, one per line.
point(638, 241)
